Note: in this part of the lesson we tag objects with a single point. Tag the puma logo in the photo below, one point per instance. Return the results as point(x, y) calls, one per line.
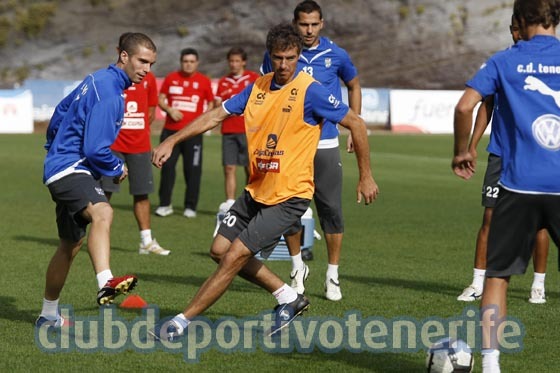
point(535, 84)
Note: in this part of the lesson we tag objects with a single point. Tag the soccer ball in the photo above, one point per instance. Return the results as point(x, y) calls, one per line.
point(448, 355)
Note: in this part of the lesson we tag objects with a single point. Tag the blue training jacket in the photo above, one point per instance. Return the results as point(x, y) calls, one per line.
point(84, 126)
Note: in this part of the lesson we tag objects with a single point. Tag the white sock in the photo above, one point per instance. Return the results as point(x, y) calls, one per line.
point(50, 309)
point(538, 280)
point(146, 236)
point(297, 262)
point(285, 294)
point(332, 272)
point(490, 361)
point(478, 278)
point(182, 321)
point(103, 277)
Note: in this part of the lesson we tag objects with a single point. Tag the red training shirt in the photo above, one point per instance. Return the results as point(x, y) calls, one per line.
point(229, 86)
point(187, 94)
point(134, 136)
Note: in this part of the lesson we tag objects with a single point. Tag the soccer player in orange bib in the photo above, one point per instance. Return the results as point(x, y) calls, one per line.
point(283, 116)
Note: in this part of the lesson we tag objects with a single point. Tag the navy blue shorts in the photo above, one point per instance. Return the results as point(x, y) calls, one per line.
point(140, 177)
point(260, 226)
point(491, 188)
point(234, 150)
point(328, 190)
point(72, 195)
point(516, 219)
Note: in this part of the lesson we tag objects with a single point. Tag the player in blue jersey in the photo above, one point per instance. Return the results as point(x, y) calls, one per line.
point(327, 63)
point(490, 193)
point(527, 73)
point(79, 136)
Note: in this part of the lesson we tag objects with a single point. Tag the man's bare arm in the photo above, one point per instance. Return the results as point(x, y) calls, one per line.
point(355, 103)
point(463, 162)
point(366, 185)
point(483, 117)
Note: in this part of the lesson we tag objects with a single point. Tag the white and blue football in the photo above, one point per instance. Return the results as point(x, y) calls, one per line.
point(448, 355)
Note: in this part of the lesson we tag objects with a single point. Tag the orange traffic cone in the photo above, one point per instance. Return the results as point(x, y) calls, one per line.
point(133, 301)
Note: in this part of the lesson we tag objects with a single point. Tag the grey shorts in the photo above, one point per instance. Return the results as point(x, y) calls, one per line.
point(515, 221)
point(328, 190)
point(72, 195)
point(140, 177)
point(490, 187)
point(259, 226)
point(234, 149)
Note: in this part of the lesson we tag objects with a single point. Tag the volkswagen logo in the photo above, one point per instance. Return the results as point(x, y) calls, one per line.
point(546, 131)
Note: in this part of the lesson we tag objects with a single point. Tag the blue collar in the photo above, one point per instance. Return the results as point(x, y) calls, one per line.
point(124, 80)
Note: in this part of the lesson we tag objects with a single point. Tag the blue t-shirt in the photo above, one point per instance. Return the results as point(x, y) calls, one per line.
point(319, 104)
point(328, 64)
point(526, 78)
point(84, 126)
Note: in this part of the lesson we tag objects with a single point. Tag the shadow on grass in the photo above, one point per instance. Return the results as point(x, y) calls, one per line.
point(241, 286)
point(366, 361)
point(437, 287)
point(176, 211)
point(9, 311)
point(399, 283)
point(202, 253)
point(48, 242)
point(52, 243)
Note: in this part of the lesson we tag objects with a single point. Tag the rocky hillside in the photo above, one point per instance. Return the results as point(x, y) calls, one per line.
point(425, 44)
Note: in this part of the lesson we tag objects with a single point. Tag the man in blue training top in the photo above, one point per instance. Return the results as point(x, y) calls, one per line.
point(83, 127)
point(328, 64)
point(528, 73)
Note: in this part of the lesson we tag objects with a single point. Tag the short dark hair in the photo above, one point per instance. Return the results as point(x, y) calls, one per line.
point(282, 37)
point(186, 51)
point(307, 6)
point(237, 51)
point(122, 39)
point(537, 12)
point(130, 41)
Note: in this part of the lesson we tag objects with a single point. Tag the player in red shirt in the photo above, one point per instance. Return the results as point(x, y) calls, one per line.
point(183, 96)
point(234, 142)
point(134, 146)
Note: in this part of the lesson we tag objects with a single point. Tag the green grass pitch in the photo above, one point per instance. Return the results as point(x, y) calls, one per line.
point(407, 256)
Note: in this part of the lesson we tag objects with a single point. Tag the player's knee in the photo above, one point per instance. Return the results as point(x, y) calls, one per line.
point(70, 248)
point(229, 169)
point(219, 248)
point(332, 224)
point(236, 256)
point(140, 198)
point(100, 213)
point(216, 254)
